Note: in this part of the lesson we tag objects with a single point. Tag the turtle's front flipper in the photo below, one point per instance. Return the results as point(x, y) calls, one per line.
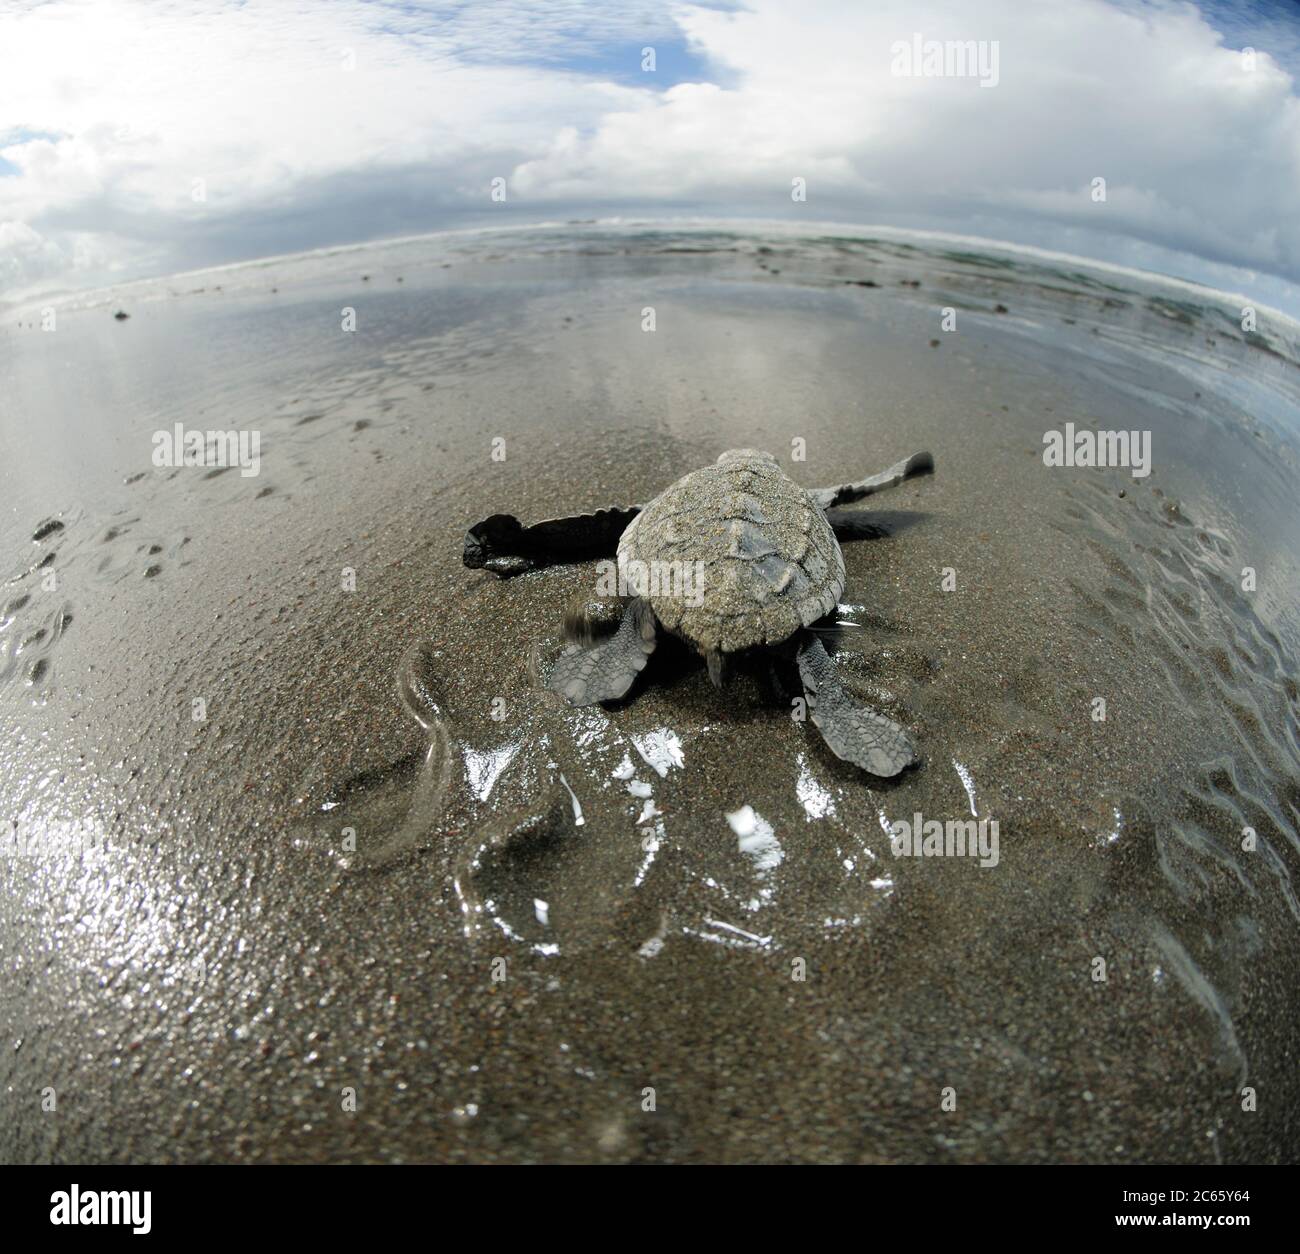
point(844, 493)
point(604, 671)
point(854, 732)
point(505, 546)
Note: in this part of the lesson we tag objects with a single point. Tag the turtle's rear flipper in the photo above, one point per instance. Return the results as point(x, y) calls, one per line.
point(854, 732)
point(604, 671)
point(844, 493)
point(505, 546)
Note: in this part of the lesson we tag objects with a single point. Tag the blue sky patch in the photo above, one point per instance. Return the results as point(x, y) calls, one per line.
point(675, 62)
point(1271, 26)
point(20, 135)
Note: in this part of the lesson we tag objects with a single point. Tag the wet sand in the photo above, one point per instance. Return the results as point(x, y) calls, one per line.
point(200, 964)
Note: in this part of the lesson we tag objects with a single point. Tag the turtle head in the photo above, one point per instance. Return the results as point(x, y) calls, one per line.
point(745, 455)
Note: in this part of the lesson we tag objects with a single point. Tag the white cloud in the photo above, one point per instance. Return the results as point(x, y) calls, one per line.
point(134, 102)
point(24, 253)
point(1198, 152)
point(110, 111)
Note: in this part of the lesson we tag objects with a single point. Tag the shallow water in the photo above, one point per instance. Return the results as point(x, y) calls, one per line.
point(212, 927)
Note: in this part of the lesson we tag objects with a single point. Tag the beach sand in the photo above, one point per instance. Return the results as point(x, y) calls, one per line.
point(203, 967)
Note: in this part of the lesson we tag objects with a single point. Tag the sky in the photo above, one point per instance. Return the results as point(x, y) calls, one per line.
point(146, 137)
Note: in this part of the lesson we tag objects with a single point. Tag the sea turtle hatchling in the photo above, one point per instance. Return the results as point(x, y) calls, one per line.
point(763, 565)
